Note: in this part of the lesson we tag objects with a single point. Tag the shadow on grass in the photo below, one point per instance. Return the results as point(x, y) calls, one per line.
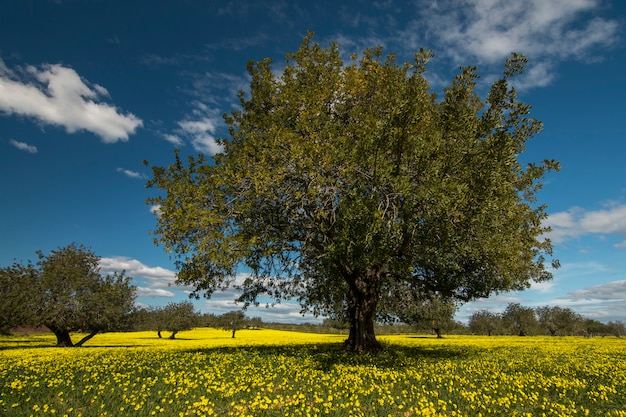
point(326, 356)
point(321, 356)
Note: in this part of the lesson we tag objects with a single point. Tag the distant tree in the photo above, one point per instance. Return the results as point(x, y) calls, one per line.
point(520, 320)
point(422, 311)
point(341, 181)
point(616, 328)
point(140, 319)
point(594, 328)
point(178, 317)
point(255, 322)
point(485, 322)
point(66, 293)
point(233, 321)
point(210, 320)
point(16, 293)
point(559, 320)
point(156, 319)
point(338, 324)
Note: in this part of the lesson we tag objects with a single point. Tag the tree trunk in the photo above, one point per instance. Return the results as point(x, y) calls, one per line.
point(438, 333)
point(233, 336)
point(159, 334)
point(362, 302)
point(173, 335)
point(63, 336)
point(86, 338)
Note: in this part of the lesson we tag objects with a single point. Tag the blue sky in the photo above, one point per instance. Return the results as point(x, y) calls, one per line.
point(89, 89)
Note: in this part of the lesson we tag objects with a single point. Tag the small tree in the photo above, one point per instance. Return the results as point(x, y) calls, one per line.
point(616, 328)
point(156, 319)
point(178, 317)
point(559, 320)
point(520, 320)
point(485, 322)
point(66, 293)
point(232, 321)
point(254, 322)
point(594, 328)
point(16, 293)
point(431, 311)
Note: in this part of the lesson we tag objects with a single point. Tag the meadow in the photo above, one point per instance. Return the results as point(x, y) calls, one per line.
point(277, 373)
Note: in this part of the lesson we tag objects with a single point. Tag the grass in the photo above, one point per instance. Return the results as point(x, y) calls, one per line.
point(277, 373)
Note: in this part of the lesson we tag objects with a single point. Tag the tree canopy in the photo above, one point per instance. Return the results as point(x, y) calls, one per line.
point(341, 182)
point(65, 292)
point(178, 317)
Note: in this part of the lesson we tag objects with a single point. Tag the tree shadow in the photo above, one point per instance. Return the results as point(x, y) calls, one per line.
point(326, 356)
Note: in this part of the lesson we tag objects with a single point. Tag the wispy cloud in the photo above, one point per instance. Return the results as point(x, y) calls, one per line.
point(131, 174)
point(239, 44)
point(212, 94)
point(492, 29)
point(578, 222)
point(57, 95)
point(547, 31)
point(200, 128)
point(615, 290)
point(173, 139)
point(154, 292)
point(22, 146)
point(603, 302)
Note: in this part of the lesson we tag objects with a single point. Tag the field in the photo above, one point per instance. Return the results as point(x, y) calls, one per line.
point(274, 373)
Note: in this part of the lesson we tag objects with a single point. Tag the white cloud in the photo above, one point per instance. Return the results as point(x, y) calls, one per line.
point(173, 139)
point(544, 30)
point(604, 302)
point(160, 277)
point(200, 127)
point(131, 174)
point(610, 291)
point(57, 95)
point(213, 92)
point(23, 146)
point(492, 29)
point(577, 222)
point(537, 75)
point(155, 209)
point(154, 292)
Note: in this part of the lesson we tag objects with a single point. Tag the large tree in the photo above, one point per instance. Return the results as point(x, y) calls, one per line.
point(339, 182)
point(66, 293)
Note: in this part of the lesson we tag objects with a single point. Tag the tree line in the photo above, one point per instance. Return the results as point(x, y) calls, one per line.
point(65, 292)
point(552, 320)
point(177, 317)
